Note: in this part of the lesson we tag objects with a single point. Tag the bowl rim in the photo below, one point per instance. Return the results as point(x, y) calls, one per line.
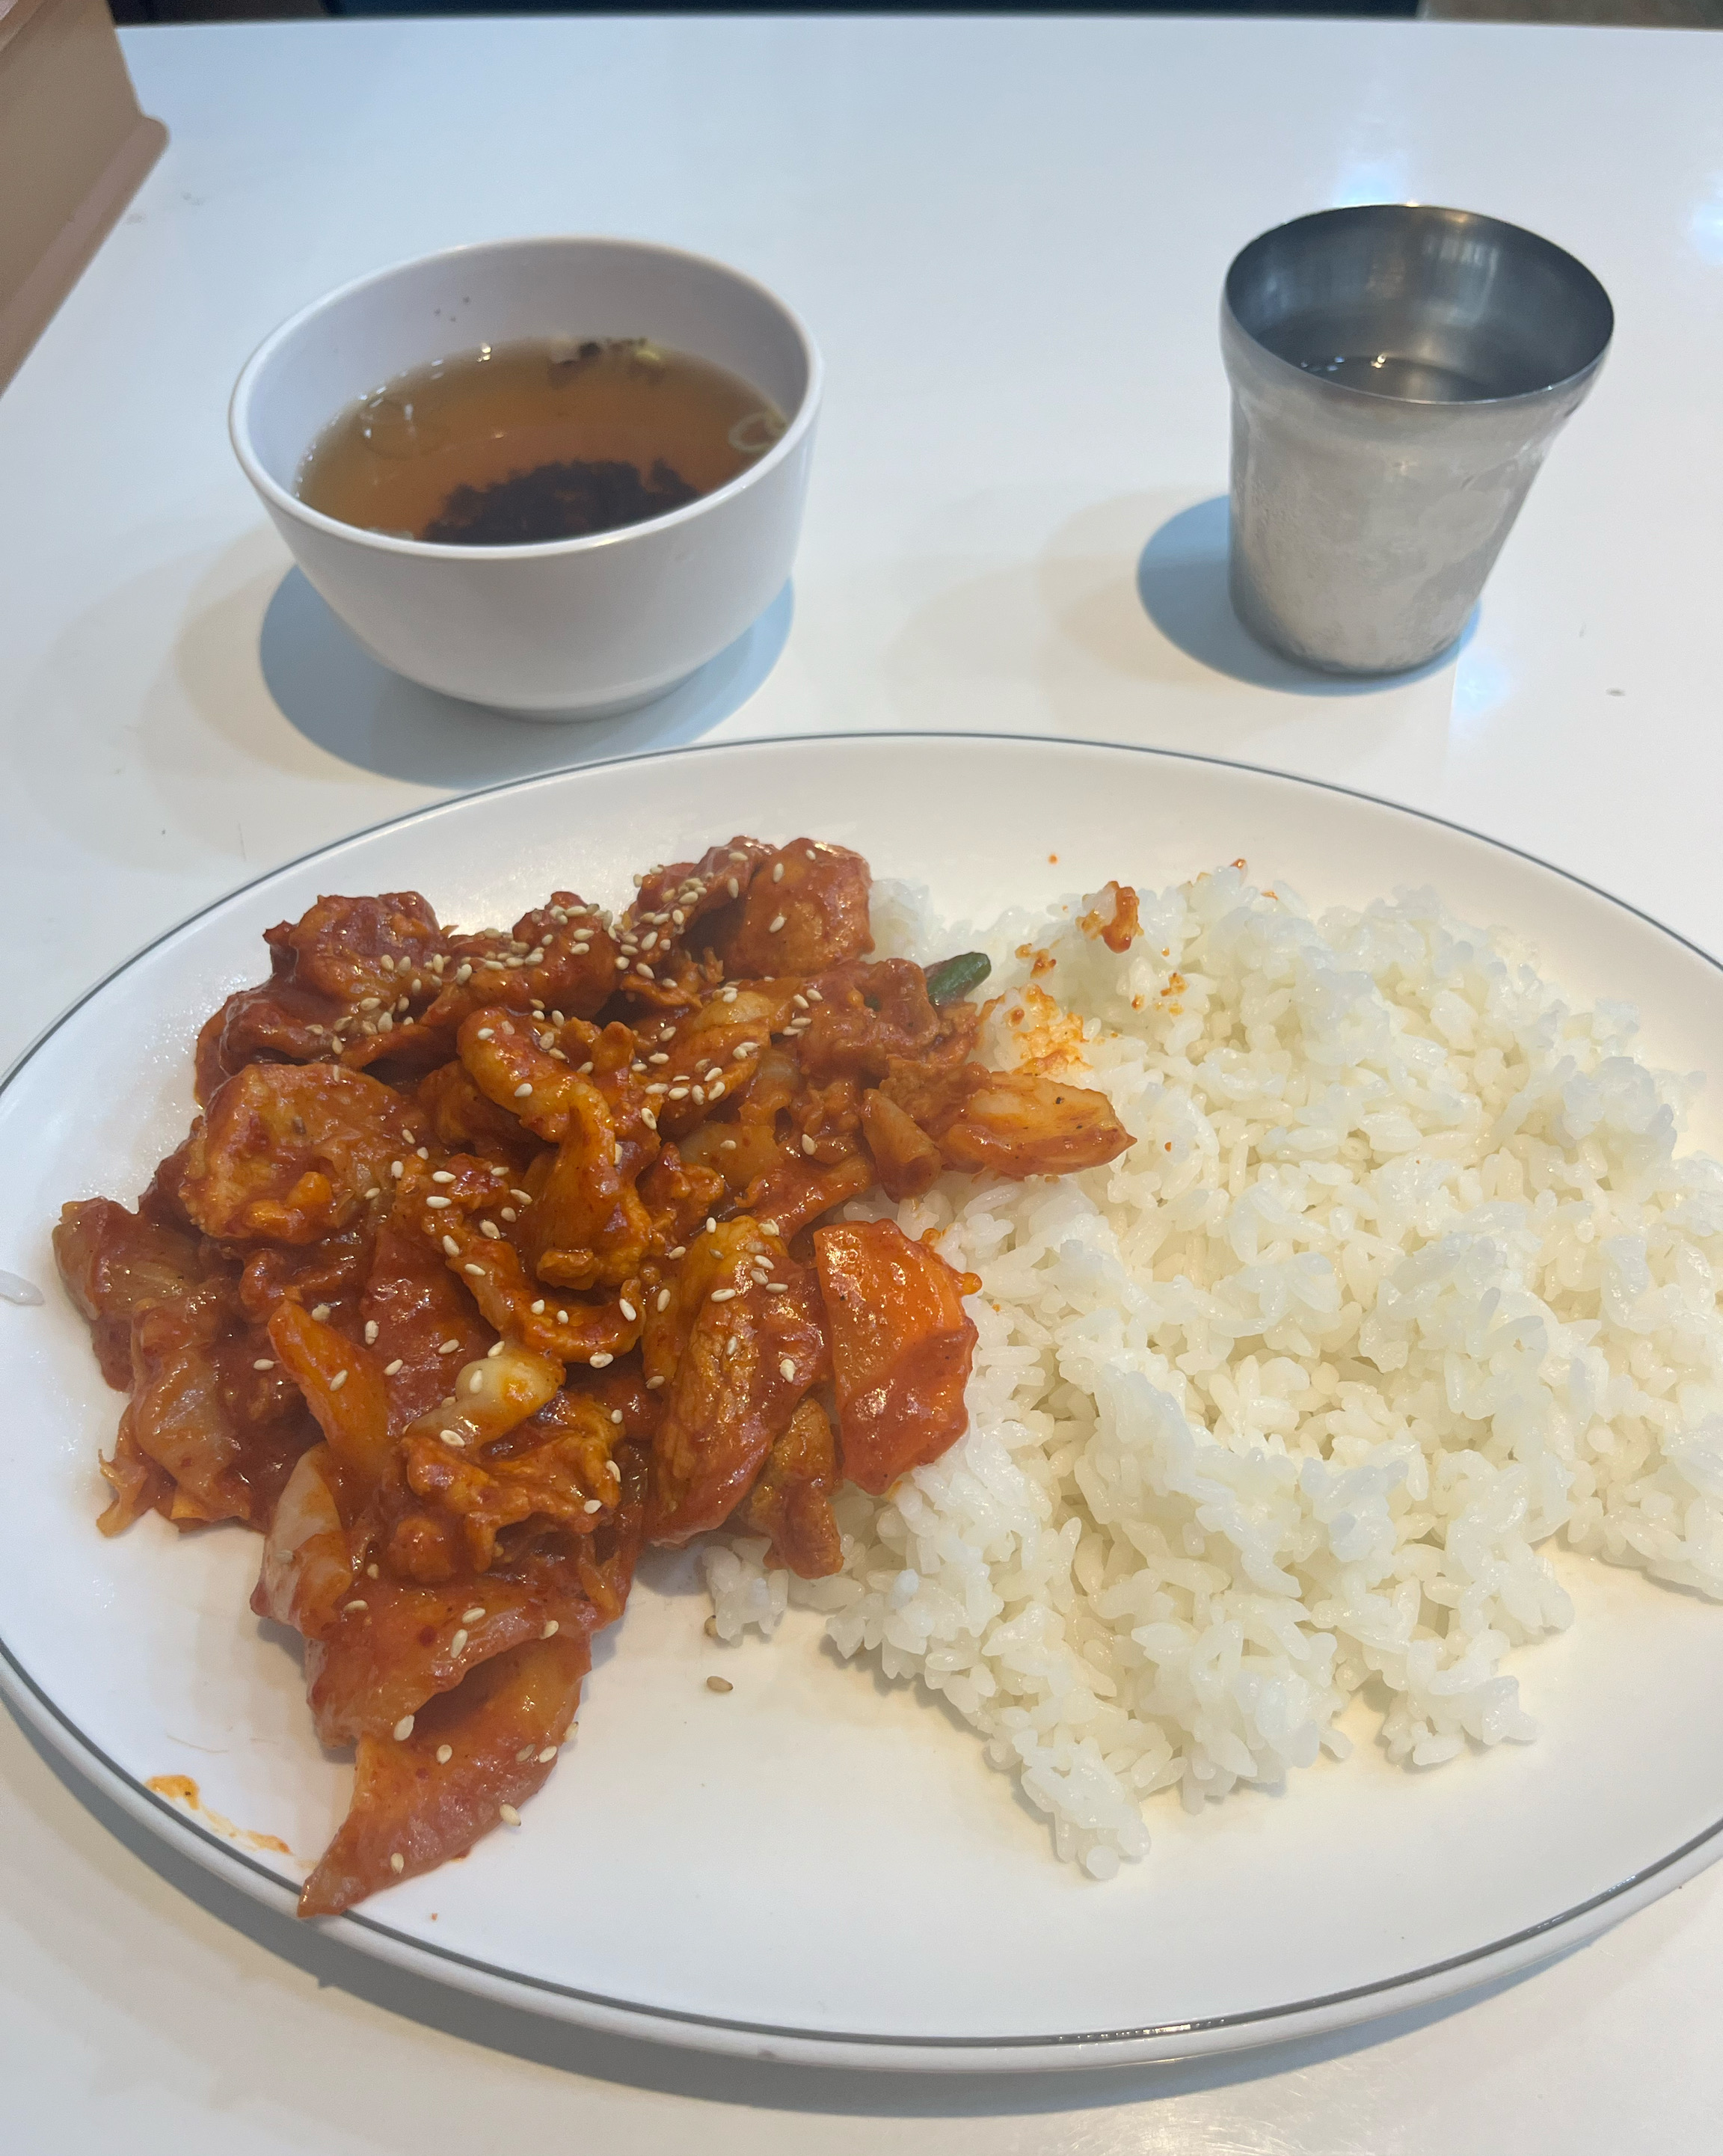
point(283, 501)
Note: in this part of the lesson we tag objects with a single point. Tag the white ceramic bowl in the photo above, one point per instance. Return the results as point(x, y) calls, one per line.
point(572, 627)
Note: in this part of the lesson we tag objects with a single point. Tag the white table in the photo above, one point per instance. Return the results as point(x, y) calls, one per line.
point(1009, 237)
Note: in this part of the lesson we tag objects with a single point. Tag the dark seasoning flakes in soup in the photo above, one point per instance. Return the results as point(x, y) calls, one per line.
point(517, 444)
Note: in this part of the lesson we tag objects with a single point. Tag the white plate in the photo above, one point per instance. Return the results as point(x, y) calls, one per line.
point(818, 1865)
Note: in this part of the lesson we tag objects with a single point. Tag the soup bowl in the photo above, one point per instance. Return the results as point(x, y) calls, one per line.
point(565, 627)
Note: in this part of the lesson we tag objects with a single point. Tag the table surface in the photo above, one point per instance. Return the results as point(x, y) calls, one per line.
point(1009, 237)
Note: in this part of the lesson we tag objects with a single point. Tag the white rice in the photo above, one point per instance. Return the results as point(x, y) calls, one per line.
point(1402, 1278)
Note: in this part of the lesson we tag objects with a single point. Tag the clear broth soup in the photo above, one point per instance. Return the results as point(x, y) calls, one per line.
point(516, 444)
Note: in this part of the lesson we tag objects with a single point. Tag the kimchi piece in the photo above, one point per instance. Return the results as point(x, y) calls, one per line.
point(495, 1254)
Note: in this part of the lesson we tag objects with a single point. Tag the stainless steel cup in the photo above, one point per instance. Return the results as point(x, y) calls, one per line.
point(1399, 374)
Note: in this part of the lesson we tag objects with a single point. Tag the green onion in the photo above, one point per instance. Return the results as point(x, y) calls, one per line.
point(953, 978)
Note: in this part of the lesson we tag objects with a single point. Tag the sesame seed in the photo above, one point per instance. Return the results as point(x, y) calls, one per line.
point(472, 1616)
point(777, 1287)
point(616, 1415)
point(743, 1048)
point(372, 1573)
point(622, 963)
point(403, 1729)
point(373, 1193)
point(509, 1213)
point(424, 1152)
point(398, 1168)
point(538, 1307)
point(397, 1862)
point(368, 1002)
point(357, 1604)
point(523, 1755)
point(507, 1815)
point(778, 872)
point(450, 1247)
point(658, 1057)
point(441, 1175)
point(652, 1384)
point(523, 1092)
point(719, 1684)
point(392, 1369)
point(680, 1251)
point(452, 1437)
point(490, 1228)
point(337, 1381)
point(800, 1002)
point(476, 1272)
point(664, 1298)
point(548, 1754)
point(550, 1630)
point(371, 1332)
point(712, 1225)
point(734, 888)
point(627, 1310)
point(815, 996)
point(775, 924)
point(447, 1346)
point(592, 1505)
point(678, 1092)
point(437, 1203)
point(464, 974)
point(525, 1196)
point(807, 1143)
point(445, 1752)
point(723, 1295)
point(475, 1383)
point(787, 1368)
point(262, 1362)
point(727, 996)
point(603, 1359)
point(726, 1145)
point(320, 1312)
point(458, 1641)
point(562, 1317)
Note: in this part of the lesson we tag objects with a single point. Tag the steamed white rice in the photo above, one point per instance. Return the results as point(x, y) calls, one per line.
point(1402, 1279)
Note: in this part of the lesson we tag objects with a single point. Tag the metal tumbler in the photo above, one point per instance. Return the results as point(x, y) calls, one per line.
point(1398, 373)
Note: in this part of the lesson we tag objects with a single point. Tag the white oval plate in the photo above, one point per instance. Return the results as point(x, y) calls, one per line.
point(818, 1865)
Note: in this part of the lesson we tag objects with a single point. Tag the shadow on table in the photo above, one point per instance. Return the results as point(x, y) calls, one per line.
point(1181, 580)
point(349, 703)
point(322, 1954)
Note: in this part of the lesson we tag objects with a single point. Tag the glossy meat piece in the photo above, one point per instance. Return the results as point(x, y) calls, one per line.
point(345, 977)
point(790, 1197)
point(1012, 1122)
point(713, 1055)
point(537, 1085)
point(331, 1271)
point(410, 1642)
point(696, 890)
point(586, 1226)
point(901, 1349)
point(678, 1194)
point(569, 959)
point(112, 1263)
point(349, 948)
point(136, 1483)
point(812, 916)
point(419, 1309)
point(225, 1433)
point(275, 1023)
point(462, 1120)
point(501, 1730)
point(865, 1016)
point(343, 1387)
point(554, 1322)
point(792, 1501)
point(905, 1159)
point(289, 1153)
point(554, 1470)
point(746, 1350)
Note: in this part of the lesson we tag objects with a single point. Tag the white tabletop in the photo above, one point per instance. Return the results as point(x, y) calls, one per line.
point(1009, 238)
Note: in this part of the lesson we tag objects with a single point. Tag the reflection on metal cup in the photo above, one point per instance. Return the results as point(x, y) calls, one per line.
point(1398, 373)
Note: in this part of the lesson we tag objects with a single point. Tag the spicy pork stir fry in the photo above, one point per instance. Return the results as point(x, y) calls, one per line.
point(493, 1255)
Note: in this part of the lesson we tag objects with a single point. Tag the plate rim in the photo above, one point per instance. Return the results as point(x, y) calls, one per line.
point(1019, 2053)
